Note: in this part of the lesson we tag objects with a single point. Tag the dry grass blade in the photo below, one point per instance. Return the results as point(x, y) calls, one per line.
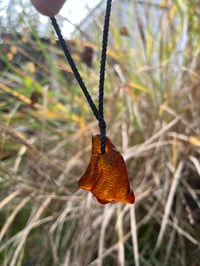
point(143, 150)
point(57, 227)
point(177, 176)
point(39, 159)
point(10, 197)
point(192, 192)
point(27, 230)
point(54, 249)
point(12, 216)
point(67, 258)
point(182, 232)
point(18, 236)
point(121, 255)
point(162, 131)
point(6, 129)
point(196, 163)
point(108, 212)
point(148, 144)
point(173, 234)
point(21, 152)
point(109, 250)
point(134, 235)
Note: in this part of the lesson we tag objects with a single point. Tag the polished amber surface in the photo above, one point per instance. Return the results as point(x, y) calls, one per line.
point(106, 176)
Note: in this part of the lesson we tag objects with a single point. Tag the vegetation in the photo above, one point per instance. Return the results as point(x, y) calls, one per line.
point(153, 116)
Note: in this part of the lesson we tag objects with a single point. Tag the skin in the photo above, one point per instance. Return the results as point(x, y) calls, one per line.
point(48, 7)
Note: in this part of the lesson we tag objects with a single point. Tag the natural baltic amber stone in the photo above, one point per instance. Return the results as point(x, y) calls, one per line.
point(106, 176)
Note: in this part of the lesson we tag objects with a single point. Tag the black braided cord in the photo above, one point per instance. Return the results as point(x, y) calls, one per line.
point(98, 113)
point(102, 123)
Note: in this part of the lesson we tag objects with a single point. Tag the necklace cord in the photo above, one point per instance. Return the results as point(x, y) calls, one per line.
point(102, 123)
point(98, 113)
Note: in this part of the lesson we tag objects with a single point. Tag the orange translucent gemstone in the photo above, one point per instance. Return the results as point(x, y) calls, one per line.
point(106, 176)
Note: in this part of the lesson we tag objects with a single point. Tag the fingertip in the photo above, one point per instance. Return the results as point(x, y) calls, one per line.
point(48, 7)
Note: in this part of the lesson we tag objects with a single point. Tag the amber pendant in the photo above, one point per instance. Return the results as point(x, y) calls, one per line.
point(106, 176)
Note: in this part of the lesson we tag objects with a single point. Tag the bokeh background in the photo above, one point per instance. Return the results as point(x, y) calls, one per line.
point(152, 109)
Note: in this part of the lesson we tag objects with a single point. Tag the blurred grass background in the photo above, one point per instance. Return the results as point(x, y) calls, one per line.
point(152, 109)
